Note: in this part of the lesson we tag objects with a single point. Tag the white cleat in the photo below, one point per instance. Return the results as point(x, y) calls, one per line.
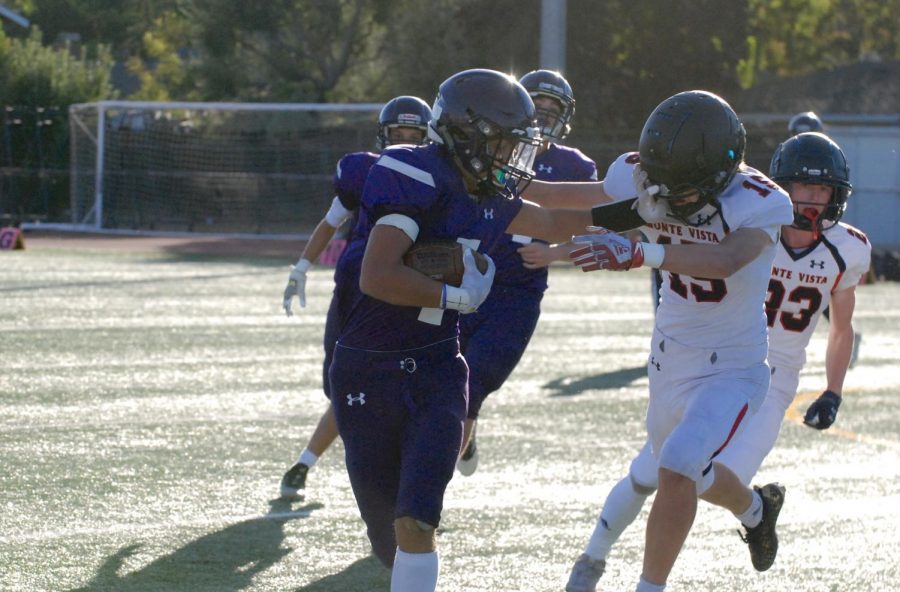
point(585, 574)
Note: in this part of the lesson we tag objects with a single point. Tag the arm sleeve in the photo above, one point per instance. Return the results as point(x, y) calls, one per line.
point(337, 213)
point(617, 216)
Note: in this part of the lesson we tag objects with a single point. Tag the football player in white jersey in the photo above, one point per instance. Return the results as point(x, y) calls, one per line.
point(818, 261)
point(819, 265)
point(714, 223)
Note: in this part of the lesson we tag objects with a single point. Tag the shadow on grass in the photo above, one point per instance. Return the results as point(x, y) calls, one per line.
point(225, 560)
point(568, 387)
point(365, 575)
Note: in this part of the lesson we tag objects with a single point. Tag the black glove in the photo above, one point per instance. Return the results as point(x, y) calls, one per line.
point(823, 411)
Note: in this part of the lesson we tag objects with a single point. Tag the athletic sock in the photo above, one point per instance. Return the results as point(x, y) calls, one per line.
point(645, 586)
point(752, 516)
point(621, 507)
point(307, 458)
point(415, 572)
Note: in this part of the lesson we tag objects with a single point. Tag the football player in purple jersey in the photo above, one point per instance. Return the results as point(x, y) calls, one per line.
point(403, 120)
point(494, 338)
point(398, 380)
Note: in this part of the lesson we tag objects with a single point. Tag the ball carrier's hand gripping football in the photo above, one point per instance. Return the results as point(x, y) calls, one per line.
point(466, 274)
point(474, 288)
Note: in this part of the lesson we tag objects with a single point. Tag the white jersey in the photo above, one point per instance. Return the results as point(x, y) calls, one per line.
point(704, 313)
point(801, 286)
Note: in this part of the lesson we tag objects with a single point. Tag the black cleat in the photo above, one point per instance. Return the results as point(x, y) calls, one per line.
point(293, 483)
point(762, 538)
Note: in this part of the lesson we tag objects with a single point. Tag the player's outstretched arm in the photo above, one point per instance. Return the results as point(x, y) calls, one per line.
point(823, 411)
point(550, 224)
point(316, 244)
point(574, 195)
point(536, 255)
point(717, 261)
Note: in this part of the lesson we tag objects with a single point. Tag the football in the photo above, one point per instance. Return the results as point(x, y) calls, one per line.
point(441, 260)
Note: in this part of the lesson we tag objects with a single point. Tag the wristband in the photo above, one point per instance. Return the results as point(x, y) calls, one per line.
point(455, 298)
point(654, 254)
point(302, 265)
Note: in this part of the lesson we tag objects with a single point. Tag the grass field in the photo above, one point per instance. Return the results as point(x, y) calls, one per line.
point(151, 403)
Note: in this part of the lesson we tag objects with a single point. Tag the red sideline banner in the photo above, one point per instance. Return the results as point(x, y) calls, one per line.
point(11, 239)
point(332, 252)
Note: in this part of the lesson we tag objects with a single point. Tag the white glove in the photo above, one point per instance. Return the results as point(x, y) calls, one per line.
point(474, 288)
point(296, 285)
point(648, 206)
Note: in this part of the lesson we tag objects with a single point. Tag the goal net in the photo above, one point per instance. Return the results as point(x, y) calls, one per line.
point(233, 168)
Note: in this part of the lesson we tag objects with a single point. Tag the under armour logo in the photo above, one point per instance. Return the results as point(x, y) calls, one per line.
point(545, 168)
point(814, 264)
point(489, 214)
point(653, 362)
point(360, 398)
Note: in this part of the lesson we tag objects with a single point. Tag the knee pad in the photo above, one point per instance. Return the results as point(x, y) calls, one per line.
point(680, 457)
point(640, 488)
point(644, 471)
point(424, 526)
point(410, 523)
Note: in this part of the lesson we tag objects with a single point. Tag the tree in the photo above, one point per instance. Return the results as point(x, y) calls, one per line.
point(34, 74)
point(442, 37)
point(795, 37)
point(632, 54)
point(288, 50)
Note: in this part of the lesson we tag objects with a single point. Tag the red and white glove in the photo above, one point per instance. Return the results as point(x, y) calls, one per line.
point(604, 249)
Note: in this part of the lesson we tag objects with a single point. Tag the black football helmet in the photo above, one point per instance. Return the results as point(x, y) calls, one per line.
point(805, 122)
point(485, 120)
point(547, 83)
point(816, 159)
point(403, 111)
point(692, 141)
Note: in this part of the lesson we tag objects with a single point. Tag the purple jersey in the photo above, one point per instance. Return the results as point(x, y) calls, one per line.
point(348, 182)
point(350, 177)
point(423, 184)
point(557, 163)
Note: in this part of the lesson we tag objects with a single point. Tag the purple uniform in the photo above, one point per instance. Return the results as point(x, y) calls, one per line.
point(494, 338)
point(398, 379)
point(350, 178)
point(348, 182)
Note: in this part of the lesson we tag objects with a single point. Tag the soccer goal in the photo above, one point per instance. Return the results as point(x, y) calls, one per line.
point(224, 168)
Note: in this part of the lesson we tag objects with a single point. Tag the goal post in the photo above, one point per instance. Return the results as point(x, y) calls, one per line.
point(222, 168)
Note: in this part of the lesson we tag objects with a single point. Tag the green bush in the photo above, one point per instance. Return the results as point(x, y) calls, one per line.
point(34, 74)
point(37, 85)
